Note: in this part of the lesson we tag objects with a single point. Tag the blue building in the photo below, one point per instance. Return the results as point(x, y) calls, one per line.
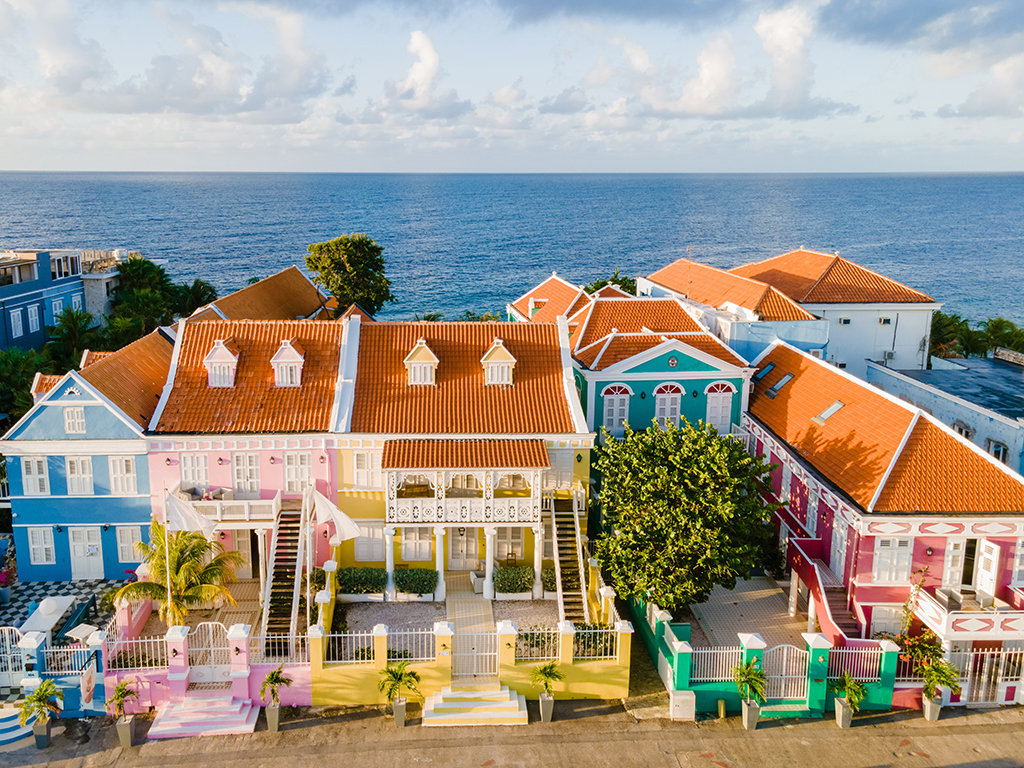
point(35, 287)
point(78, 469)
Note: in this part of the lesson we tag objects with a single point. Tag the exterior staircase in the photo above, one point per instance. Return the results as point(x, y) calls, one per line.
point(204, 716)
point(836, 597)
point(568, 561)
point(478, 705)
point(279, 614)
point(10, 730)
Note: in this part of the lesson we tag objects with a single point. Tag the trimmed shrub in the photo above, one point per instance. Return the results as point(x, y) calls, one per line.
point(362, 581)
point(416, 581)
point(511, 580)
point(549, 579)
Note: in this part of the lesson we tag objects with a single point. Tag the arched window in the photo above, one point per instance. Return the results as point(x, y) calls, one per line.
point(616, 408)
point(719, 414)
point(666, 403)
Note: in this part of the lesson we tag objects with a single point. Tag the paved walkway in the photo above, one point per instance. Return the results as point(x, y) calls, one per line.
point(471, 614)
point(468, 611)
point(755, 605)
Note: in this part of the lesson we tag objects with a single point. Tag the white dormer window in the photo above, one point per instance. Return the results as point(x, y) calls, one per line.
point(421, 365)
point(287, 362)
point(221, 363)
point(498, 365)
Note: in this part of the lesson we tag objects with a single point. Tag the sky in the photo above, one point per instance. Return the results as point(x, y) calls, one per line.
point(512, 85)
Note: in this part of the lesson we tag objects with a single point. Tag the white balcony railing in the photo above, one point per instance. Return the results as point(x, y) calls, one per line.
point(1000, 621)
point(516, 509)
point(239, 510)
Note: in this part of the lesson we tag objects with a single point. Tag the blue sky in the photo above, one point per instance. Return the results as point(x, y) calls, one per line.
point(512, 85)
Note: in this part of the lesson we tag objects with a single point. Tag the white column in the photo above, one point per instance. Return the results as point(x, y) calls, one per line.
point(794, 592)
point(811, 613)
point(439, 531)
point(538, 560)
point(261, 548)
point(490, 535)
point(389, 560)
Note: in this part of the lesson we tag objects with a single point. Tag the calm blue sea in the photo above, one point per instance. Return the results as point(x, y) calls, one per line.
point(456, 242)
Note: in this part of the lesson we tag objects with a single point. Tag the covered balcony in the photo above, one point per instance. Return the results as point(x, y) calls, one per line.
point(964, 614)
point(221, 505)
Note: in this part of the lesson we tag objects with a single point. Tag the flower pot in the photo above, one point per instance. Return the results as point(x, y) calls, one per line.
point(126, 730)
point(751, 711)
point(41, 730)
point(273, 717)
point(399, 709)
point(932, 708)
point(844, 713)
point(547, 707)
point(5, 595)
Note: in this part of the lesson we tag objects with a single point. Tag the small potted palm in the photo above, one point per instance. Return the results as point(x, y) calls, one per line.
point(849, 694)
point(544, 677)
point(751, 681)
point(275, 679)
point(937, 672)
point(40, 704)
point(117, 700)
point(393, 678)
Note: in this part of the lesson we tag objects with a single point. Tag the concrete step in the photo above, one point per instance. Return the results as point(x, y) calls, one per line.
point(438, 711)
point(478, 692)
point(10, 730)
point(184, 719)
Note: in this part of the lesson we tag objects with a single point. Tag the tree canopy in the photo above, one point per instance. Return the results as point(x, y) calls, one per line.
point(683, 513)
point(74, 333)
point(953, 336)
point(628, 284)
point(351, 268)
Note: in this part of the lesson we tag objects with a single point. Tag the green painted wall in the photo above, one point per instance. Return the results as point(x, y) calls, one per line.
point(642, 404)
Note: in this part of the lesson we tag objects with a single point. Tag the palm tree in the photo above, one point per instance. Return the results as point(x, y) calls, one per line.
point(73, 333)
point(122, 331)
point(395, 677)
point(189, 298)
point(138, 274)
point(151, 307)
point(199, 570)
point(41, 702)
point(1000, 332)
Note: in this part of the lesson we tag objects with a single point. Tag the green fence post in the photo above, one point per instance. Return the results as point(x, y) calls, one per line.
point(818, 647)
point(682, 664)
point(887, 671)
point(753, 648)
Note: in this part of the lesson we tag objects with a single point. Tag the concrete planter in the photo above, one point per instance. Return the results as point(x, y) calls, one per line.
point(844, 713)
point(932, 708)
point(412, 597)
point(373, 597)
point(41, 730)
point(273, 717)
point(547, 707)
point(126, 730)
point(399, 709)
point(751, 712)
point(513, 595)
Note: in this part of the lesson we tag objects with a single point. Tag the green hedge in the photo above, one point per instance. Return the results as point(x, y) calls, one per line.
point(362, 581)
point(549, 580)
point(510, 580)
point(416, 581)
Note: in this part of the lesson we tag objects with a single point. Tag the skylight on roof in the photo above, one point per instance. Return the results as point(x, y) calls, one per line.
point(832, 410)
point(775, 388)
point(764, 372)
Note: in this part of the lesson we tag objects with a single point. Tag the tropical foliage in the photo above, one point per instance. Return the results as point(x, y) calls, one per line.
point(276, 678)
point(627, 284)
point(120, 696)
point(751, 680)
point(351, 268)
point(73, 334)
point(938, 673)
point(953, 336)
point(851, 689)
point(683, 512)
point(43, 701)
point(199, 570)
point(395, 677)
point(546, 676)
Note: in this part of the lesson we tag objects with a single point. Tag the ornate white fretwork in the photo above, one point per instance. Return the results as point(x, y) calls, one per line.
point(443, 508)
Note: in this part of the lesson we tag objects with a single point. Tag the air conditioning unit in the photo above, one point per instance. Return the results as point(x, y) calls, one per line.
point(818, 353)
point(888, 355)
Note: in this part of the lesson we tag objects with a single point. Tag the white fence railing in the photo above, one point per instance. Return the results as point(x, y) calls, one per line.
point(350, 648)
point(62, 661)
point(905, 671)
point(145, 653)
point(279, 649)
point(714, 665)
point(413, 644)
point(863, 664)
point(594, 644)
point(537, 644)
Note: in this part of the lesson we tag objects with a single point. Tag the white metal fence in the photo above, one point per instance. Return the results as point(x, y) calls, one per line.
point(279, 649)
point(412, 644)
point(145, 653)
point(905, 671)
point(594, 644)
point(350, 648)
point(537, 644)
point(714, 665)
point(863, 664)
point(62, 661)
point(475, 654)
point(983, 673)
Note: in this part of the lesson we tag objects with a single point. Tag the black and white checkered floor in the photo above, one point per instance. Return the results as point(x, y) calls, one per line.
point(14, 613)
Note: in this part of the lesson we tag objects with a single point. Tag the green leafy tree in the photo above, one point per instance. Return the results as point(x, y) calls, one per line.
point(122, 331)
point(628, 284)
point(187, 298)
point(945, 336)
point(17, 369)
point(75, 332)
point(428, 317)
point(146, 305)
point(684, 512)
point(973, 343)
point(138, 273)
point(473, 317)
point(199, 569)
point(351, 268)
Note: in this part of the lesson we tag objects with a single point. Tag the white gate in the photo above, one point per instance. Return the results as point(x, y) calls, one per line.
point(12, 659)
point(985, 676)
point(209, 659)
point(475, 654)
point(786, 669)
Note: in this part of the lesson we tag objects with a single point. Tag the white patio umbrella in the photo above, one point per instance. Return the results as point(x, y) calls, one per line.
point(327, 512)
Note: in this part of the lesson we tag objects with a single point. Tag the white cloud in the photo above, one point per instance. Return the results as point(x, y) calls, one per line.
point(711, 93)
point(568, 102)
point(1000, 94)
point(601, 73)
point(415, 94)
point(510, 95)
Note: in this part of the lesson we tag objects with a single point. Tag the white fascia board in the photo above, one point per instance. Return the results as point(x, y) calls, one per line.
point(345, 384)
point(676, 345)
point(220, 314)
point(579, 421)
point(172, 371)
point(896, 307)
point(516, 314)
point(74, 448)
point(767, 351)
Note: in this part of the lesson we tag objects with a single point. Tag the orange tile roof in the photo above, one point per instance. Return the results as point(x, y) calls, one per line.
point(936, 471)
point(621, 347)
point(558, 296)
point(630, 316)
point(611, 290)
point(91, 356)
point(288, 295)
point(133, 377)
point(714, 287)
point(459, 402)
point(810, 277)
point(44, 382)
point(467, 454)
point(255, 404)
point(355, 309)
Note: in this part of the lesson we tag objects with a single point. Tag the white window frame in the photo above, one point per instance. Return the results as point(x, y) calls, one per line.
point(953, 562)
point(366, 470)
point(74, 420)
point(369, 545)
point(891, 616)
point(421, 374)
point(1018, 564)
point(58, 308)
point(195, 471)
point(35, 475)
point(79, 475)
point(416, 543)
point(510, 539)
point(885, 321)
point(129, 537)
point(893, 561)
point(76, 301)
point(17, 329)
point(297, 466)
point(221, 375)
point(813, 502)
point(40, 546)
point(998, 451)
point(720, 393)
point(287, 374)
point(616, 408)
point(844, 321)
point(33, 318)
point(123, 476)
point(667, 403)
point(785, 491)
point(499, 374)
point(560, 475)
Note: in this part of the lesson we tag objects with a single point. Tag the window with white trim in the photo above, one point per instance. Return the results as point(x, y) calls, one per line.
point(296, 471)
point(287, 374)
point(76, 302)
point(511, 483)
point(129, 537)
point(509, 541)
point(33, 318)
point(421, 374)
point(885, 321)
point(892, 560)
point(499, 373)
point(666, 404)
point(1018, 564)
point(40, 546)
point(560, 474)
point(416, 543)
point(719, 407)
point(58, 308)
point(787, 482)
point(369, 545)
point(16, 328)
point(74, 420)
point(221, 375)
point(36, 476)
point(889, 620)
point(194, 471)
point(844, 321)
point(999, 450)
point(79, 469)
point(368, 475)
point(616, 408)
point(122, 476)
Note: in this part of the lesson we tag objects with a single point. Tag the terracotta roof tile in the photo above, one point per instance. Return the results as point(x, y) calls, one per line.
point(91, 356)
point(714, 287)
point(630, 316)
point(355, 309)
point(467, 454)
point(44, 382)
point(288, 295)
point(622, 347)
point(554, 296)
point(611, 290)
point(460, 403)
point(133, 377)
point(810, 277)
point(255, 404)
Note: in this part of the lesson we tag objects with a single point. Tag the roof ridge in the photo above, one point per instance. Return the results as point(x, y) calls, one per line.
point(884, 277)
point(895, 460)
point(554, 276)
point(822, 276)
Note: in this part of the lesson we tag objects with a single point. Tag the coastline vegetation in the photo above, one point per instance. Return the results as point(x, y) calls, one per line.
point(953, 336)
